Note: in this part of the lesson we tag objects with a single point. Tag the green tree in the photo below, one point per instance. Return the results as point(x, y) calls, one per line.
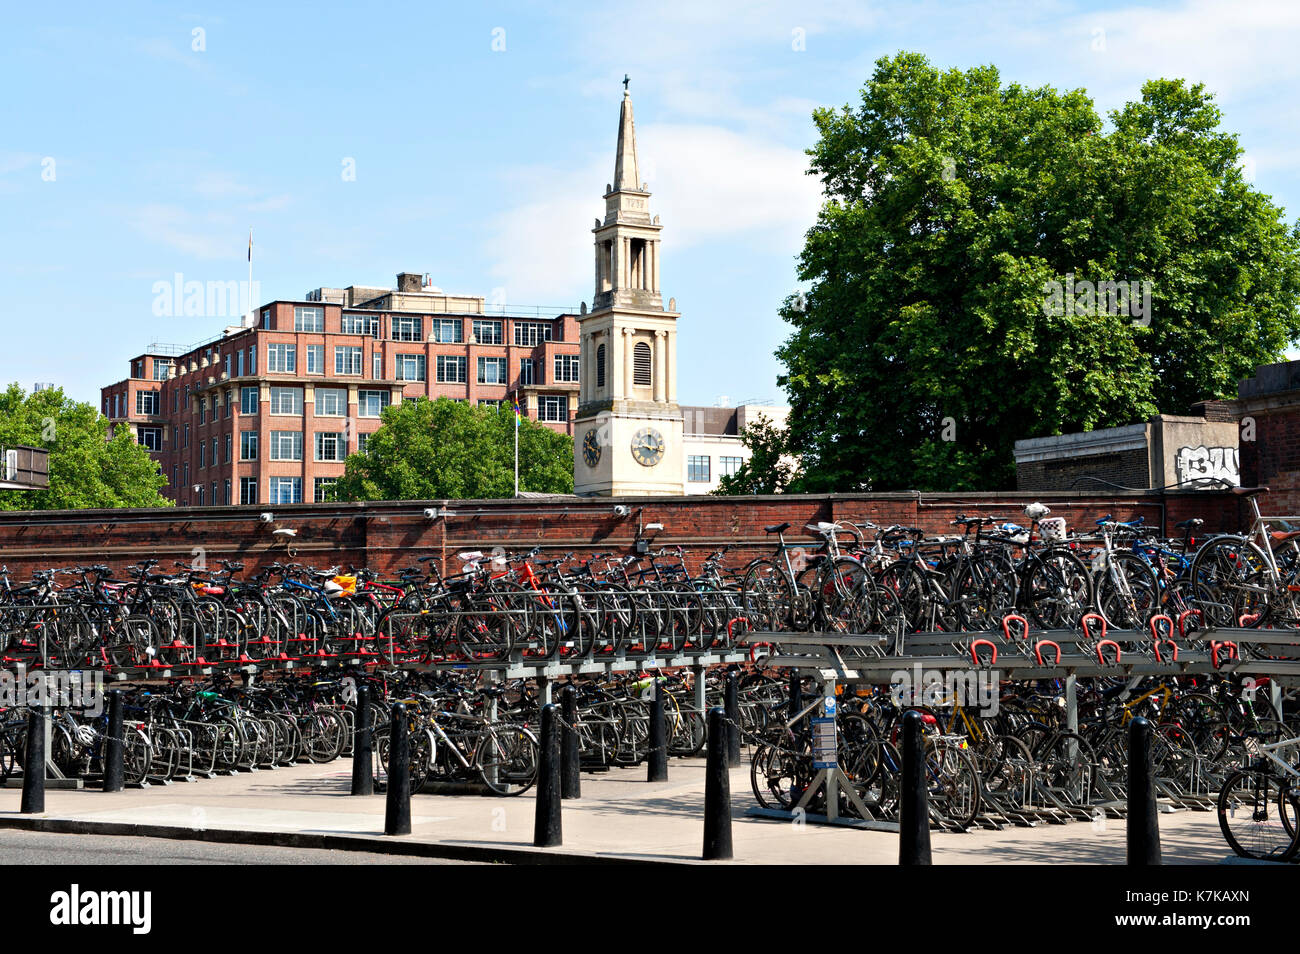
point(427, 450)
point(771, 467)
point(86, 469)
point(928, 340)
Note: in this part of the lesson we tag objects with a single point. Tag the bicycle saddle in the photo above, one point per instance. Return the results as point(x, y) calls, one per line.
point(777, 528)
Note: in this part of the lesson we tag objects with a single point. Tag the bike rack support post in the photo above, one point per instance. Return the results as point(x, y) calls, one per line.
point(914, 808)
point(33, 802)
point(717, 790)
point(363, 767)
point(657, 758)
point(796, 693)
point(544, 690)
point(114, 771)
point(571, 770)
point(733, 720)
point(546, 825)
point(397, 813)
point(1143, 823)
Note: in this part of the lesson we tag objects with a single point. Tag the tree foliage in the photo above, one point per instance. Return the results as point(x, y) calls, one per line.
point(429, 450)
point(86, 469)
point(924, 345)
point(771, 467)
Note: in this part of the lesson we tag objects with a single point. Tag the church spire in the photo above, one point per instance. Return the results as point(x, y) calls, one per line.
point(625, 171)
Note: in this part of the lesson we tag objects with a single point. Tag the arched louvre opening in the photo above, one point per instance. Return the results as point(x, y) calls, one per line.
point(600, 366)
point(641, 365)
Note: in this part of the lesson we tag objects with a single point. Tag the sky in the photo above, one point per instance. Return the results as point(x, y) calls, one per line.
point(473, 142)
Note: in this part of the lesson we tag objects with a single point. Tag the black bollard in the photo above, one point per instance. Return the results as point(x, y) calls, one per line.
point(33, 802)
point(914, 808)
point(717, 791)
point(657, 762)
point(363, 765)
point(571, 769)
point(733, 719)
point(397, 810)
point(546, 825)
point(796, 695)
point(114, 771)
point(1143, 821)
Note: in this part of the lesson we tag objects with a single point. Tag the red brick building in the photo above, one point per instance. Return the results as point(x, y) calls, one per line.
point(268, 413)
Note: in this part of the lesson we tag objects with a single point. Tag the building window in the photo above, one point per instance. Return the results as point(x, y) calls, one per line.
point(248, 490)
point(215, 501)
point(566, 368)
point(407, 329)
point(491, 370)
point(487, 332)
point(203, 454)
point(146, 402)
point(451, 369)
point(331, 445)
point(162, 369)
point(203, 410)
point(697, 468)
point(527, 372)
point(308, 319)
point(315, 359)
point(214, 452)
point(230, 402)
point(361, 325)
point(362, 441)
point(248, 445)
point(286, 445)
point(225, 364)
point(488, 403)
point(325, 488)
point(281, 358)
point(150, 438)
point(286, 400)
point(600, 366)
point(446, 330)
point(531, 333)
point(266, 319)
point(286, 490)
point(252, 360)
point(371, 403)
point(347, 359)
point(410, 367)
point(248, 400)
point(553, 407)
point(199, 491)
point(331, 402)
point(225, 458)
point(239, 364)
point(187, 435)
point(729, 465)
point(225, 497)
point(641, 365)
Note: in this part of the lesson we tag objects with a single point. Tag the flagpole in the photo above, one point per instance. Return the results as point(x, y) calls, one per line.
point(252, 305)
point(516, 450)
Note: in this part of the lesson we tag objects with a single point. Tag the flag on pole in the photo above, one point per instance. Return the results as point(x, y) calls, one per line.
point(250, 244)
point(519, 415)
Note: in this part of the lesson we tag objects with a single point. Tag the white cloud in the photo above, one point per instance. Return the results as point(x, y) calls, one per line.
point(711, 186)
point(177, 228)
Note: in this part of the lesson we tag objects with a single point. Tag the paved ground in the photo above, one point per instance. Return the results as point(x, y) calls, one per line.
point(41, 848)
point(620, 814)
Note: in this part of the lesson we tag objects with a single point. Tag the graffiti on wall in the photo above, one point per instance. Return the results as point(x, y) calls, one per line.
point(1205, 463)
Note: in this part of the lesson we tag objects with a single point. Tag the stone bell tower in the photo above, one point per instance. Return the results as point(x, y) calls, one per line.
point(628, 428)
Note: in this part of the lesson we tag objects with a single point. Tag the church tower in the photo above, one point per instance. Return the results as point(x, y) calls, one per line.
point(628, 429)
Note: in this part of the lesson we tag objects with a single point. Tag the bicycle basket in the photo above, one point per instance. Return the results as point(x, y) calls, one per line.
point(1053, 528)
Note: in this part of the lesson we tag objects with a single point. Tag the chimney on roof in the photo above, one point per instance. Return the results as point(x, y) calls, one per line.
point(410, 281)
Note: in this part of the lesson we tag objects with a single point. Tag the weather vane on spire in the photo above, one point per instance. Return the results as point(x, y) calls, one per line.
point(626, 80)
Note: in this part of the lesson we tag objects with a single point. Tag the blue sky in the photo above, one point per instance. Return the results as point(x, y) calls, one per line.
point(127, 155)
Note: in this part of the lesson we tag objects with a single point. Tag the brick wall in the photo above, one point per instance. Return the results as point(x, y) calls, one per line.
point(388, 536)
point(1129, 468)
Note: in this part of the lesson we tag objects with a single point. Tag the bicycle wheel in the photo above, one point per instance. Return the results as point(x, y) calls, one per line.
point(1057, 590)
point(1257, 812)
point(954, 783)
point(1221, 581)
point(984, 591)
point(767, 597)
point(844, 598)
point(507, 758)
point(1127, 592)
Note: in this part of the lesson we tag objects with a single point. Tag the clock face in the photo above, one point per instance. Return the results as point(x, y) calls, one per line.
point(648, 446)
point(591, 448)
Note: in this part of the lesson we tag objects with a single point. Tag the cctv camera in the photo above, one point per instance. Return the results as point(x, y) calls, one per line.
point(266, 517)
point(430, 513)
point(620, 511)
